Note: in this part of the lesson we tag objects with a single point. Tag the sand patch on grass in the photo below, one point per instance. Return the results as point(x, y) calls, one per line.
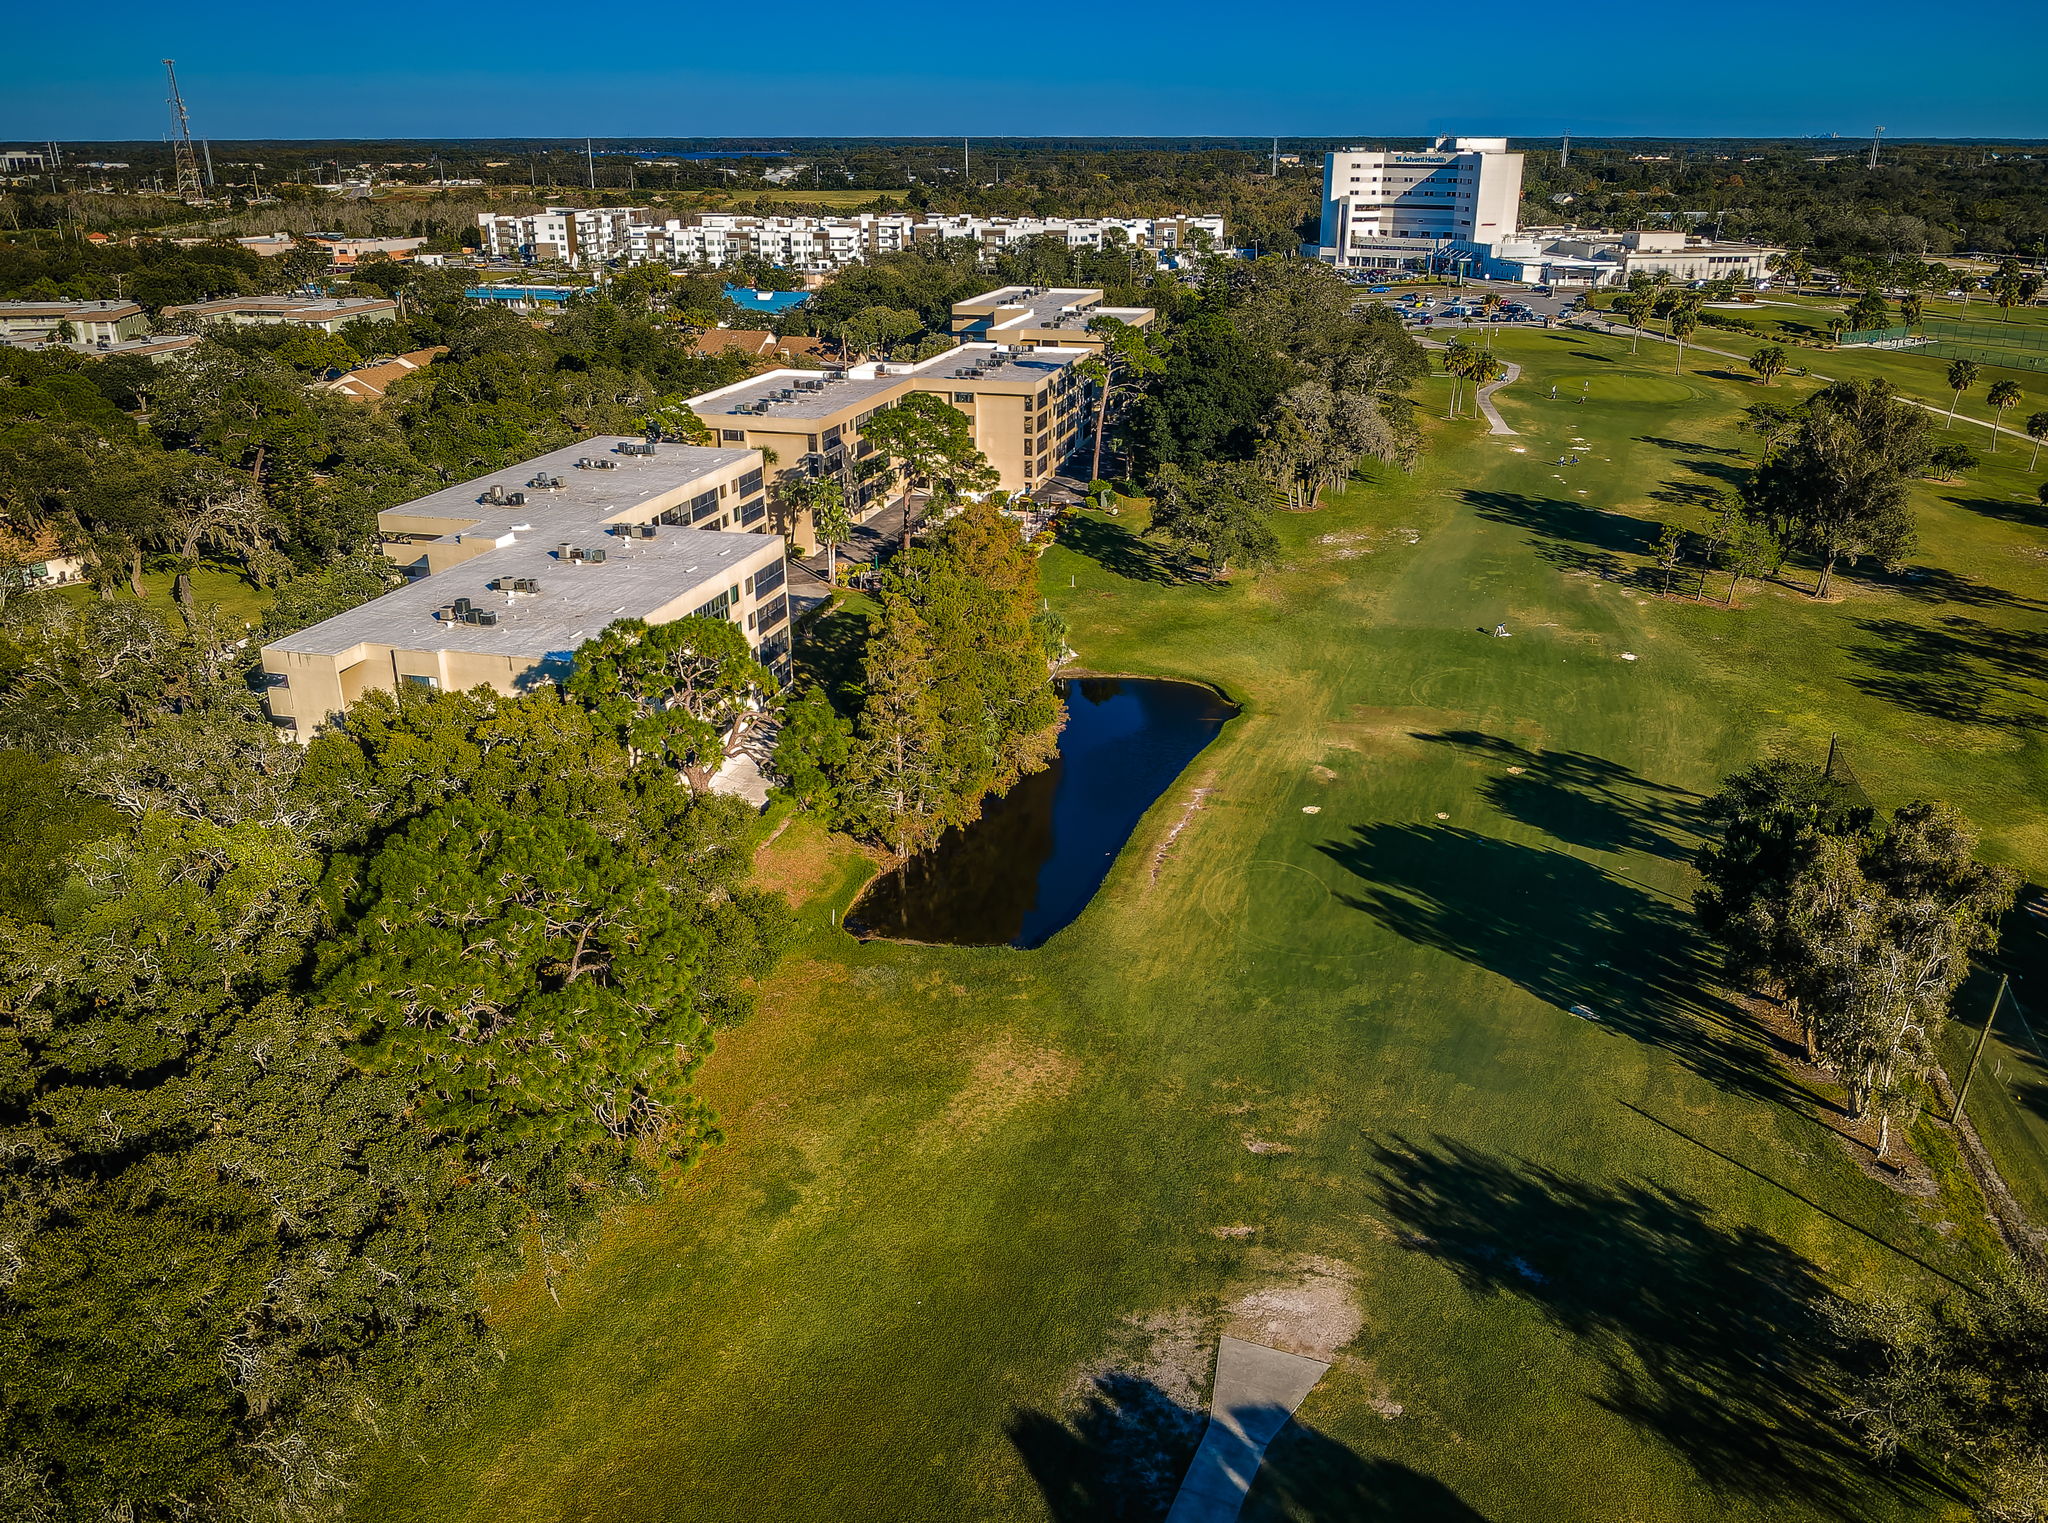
point(1312, 1311)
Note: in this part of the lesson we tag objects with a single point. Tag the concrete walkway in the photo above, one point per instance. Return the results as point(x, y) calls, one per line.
point(1257, 1390)
point(1495, 424)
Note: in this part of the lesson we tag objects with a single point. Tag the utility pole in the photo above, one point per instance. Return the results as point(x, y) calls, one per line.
point(182, 157)
point(1876, 137)
point(1276, 158)
point(1564, 153)
point(206, 147)
point(590, 163)
point(1977, 1052)
point(963, 161)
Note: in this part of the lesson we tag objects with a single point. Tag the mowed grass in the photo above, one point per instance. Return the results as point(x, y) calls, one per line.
point(982, 1213)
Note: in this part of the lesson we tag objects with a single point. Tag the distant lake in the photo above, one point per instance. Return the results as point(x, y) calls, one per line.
point(1035, 858)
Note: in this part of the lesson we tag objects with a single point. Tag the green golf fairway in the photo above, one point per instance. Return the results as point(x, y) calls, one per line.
point(1437, 1077)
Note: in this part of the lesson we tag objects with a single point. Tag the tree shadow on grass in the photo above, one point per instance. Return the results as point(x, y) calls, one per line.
point(1958, 669)
point(1570, 933)
point(1584, 799)
point(1713, 1335)
point(2033, 514)
point(1571, 535)
point(1689, 446)
point(1118, 550)
point(1120, 1458)
point(1936, 584)
point(830, 652)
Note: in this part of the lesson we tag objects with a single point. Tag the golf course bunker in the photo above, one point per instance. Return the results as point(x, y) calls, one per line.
point(1625, 386)
point(1035, 858)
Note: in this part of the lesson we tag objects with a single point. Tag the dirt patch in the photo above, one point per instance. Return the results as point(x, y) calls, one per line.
point(1004, 1079)
point(1261, 1146)
point(1314, 1312)
point(1166, 846)
point(1322, 774)
point(1239, 1231)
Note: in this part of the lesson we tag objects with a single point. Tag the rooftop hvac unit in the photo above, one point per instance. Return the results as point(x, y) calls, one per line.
point(595, 557)
point(462, 605)
point(514, 499)
point(525, 584)
point(487, 617)
point(546, 483)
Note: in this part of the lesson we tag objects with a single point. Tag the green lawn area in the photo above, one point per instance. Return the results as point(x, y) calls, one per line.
point(982, 1213)
point(239, 600)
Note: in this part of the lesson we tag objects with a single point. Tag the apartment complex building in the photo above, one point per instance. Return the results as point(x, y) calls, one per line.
point(1034, 317)
point(513, 570)
point(94, 328)
point(1383, 207)
point(1026, 409)
point(585, 237)
point(327, 313)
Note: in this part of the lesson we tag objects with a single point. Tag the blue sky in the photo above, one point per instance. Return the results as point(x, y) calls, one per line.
point(918, 67)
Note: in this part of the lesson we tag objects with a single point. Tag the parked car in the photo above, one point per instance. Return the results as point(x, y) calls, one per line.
point(1377, 290)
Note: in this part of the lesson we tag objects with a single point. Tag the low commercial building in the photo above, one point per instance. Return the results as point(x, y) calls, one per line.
point(1041, 316)
point(327, 313)
point(347, 252)
point(1592, 257)
point(514, 570)
point(1026, 408)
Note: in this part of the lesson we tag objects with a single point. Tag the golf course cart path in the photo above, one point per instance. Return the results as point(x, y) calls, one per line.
point(1495, 424)
point(1257, 1390)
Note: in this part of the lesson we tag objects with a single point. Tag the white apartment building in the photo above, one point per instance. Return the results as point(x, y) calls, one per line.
point(583, 238)
point(1383, 207)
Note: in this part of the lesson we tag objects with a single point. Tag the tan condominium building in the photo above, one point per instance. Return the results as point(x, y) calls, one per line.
point(327, 313)
point(1041, 316)
point(514, 570)
point(1025, 408)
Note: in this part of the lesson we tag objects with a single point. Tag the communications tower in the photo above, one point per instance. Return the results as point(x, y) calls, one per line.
point(190, 186)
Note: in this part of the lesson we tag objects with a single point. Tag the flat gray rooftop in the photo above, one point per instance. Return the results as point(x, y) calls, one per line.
point(1027, 365)
point(576, 601)
point(802, 403)
point(586, 498)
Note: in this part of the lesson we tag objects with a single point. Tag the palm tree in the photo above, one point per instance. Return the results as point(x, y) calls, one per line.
point(1685, 321)
point(1962, 375)
point(1910, 306)
point(2037, 430)
point(2002, 395)
point(1768, 363)
point(824, 498)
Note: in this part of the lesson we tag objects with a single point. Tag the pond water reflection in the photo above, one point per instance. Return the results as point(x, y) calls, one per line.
point(1035, 858)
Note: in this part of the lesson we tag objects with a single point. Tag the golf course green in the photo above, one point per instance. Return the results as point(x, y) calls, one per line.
point(1389, 1035)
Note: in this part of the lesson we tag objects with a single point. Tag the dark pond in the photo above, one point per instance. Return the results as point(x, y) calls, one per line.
point(1036, 857)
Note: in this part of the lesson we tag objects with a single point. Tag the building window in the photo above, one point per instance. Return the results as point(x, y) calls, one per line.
point(749, 483)
point(733, 435)
point(963, 396)
point(415, 679)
